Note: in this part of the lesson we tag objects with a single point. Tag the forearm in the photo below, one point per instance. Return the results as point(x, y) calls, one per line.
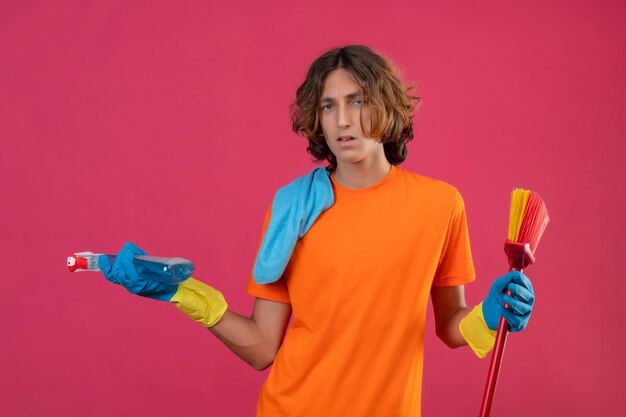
point(254, 339)
point(448, 329)
point(450, 308)
point(457, 325)
point(243, 336)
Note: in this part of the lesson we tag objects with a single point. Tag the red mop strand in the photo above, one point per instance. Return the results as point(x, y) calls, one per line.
point(527, 222)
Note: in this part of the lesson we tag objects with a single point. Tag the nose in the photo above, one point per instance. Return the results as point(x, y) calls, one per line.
point(343, 117)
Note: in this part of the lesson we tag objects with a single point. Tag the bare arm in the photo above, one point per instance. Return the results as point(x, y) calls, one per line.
point(255, 339)
point(449, 308)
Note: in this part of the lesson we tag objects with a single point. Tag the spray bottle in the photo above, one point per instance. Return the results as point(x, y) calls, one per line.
point(166, 270)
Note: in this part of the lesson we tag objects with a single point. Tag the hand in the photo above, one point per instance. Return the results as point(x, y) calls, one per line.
point(124, 273)
point(521, 302)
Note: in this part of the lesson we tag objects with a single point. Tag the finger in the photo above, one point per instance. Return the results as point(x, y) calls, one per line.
point(516, 323)
point(125, 263)
point(502, 282)
point(134, 249)
point(519, 307)
point(524, 281)
point(499, 284)
point(105, 266)
point(522, 293)
point(514, 275)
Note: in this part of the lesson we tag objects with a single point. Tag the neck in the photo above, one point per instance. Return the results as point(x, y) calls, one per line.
point(362, 174)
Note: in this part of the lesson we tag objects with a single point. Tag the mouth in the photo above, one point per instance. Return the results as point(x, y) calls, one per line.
point(345, 138)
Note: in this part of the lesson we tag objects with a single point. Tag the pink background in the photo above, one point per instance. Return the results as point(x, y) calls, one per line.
point(166, 124)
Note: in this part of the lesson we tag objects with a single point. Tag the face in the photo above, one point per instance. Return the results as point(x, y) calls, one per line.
point(342, 110)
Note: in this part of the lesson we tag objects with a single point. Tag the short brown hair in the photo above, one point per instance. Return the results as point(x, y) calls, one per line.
point(390, 101)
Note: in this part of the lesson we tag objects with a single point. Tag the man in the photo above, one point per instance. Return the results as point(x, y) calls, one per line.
point(355, 280)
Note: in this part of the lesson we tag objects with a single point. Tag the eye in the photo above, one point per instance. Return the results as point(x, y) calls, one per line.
point(357, 102)
point(327, 107)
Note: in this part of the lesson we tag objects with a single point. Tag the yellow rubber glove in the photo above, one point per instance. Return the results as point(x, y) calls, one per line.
point(201, 302)
point(476, 332)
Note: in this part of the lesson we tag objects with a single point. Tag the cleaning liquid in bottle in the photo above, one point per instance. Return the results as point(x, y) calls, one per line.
point(166, 270)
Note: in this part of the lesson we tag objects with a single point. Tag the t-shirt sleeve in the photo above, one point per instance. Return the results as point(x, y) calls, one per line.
point(275, 291)
point(455, 263)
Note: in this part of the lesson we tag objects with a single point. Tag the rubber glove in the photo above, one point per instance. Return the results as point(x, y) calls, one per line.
point(201, 302)
point(521, 302)
point(123, 273)
point(479, 326)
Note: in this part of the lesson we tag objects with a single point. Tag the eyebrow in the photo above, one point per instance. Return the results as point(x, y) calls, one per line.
point(350, 96)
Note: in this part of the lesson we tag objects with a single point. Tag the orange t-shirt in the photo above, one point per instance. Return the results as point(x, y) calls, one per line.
point(358, 283)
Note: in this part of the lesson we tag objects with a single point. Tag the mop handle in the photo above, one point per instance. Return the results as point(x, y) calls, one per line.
point(496, 361)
